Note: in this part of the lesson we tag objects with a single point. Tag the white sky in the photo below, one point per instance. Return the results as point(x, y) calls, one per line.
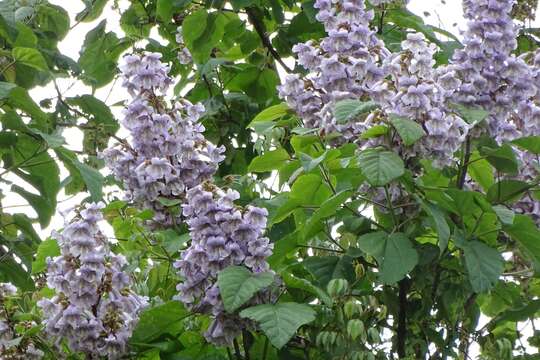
point(447, 16)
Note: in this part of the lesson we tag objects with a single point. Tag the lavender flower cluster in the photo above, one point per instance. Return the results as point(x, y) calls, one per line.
point(498, 81)
point(93, 309)
point(352, 63)
point(167, 153)
point(222, 235)
point(414, 90)
point(12, 347)
point(492, 78)
point(344, 65)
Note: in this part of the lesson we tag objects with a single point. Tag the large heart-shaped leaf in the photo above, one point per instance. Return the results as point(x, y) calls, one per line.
point(380, 166)
point(237, 285)
point(280, 321)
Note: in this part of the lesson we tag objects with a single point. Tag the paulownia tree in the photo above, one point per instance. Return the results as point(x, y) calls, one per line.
point(275, 179)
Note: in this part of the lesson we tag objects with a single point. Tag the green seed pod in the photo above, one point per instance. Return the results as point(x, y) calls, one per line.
point(373, 336)
point(337, 287)
point(355, 328)
point(359, 270)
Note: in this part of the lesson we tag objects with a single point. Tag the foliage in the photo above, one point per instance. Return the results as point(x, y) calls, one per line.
point(391, 212)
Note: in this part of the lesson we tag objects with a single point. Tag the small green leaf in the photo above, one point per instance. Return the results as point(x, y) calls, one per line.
point(272, 113)
point(43, 207)
point(237, 285)
point(280, 321)
point(507, 190)
point(481, 171)
point(326, 268)
point(202, 31)
point(92, 11)
point(439, 222)
point(471, 115)
point(346, 110)
point(409, 131)
point(91, 176)
point(47, 248)
point(380, 166)
point(375, 131)
point(268, 161)
point(484, 265)
point(31, 57)
point(5, 89)
point(502, 158)
point(162, 319)
point(295, 282)
point(505, 215)
point(327, 209)
point(530, 143)
point(526, 233)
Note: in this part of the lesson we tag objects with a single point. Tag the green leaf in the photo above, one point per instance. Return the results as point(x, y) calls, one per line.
point(99, 55)
point(164, 9)
point(20, 99)
point(326, 268)
point(25, 225)
point(484, 265)
point(502, 158)
point(380, 166)
point(310, 189)
point(237, 285)
point(471, 115)
point(136, 21)
point(202, 32)
point(53, 140)
point(25, 36)
point(530, 143)
point(327, 209)
point(505, 215)
point(91, 176)
point(270, 114)
point(11, 271)
point(409, 131)
point(294, 282)
point(52, 19)
point(96, 110)
point(309, 163)
point(44, 209)
point(159, 320)
point(375, 131)
point(481, 171)
point(280, 321)
point(346, 110)
point(92, 11)
point(47, 248)
point(507, 191)
point(5, 89)
point(268, 161)
point(526, 233)
point(31, 57)
point(394, 254)
point(439, 223)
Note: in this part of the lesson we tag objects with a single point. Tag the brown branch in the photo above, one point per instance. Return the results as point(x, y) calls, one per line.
point(261, 31)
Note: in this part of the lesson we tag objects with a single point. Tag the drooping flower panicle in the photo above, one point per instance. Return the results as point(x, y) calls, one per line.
point(94, 308)
point(166, 153)
point(222, 234)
